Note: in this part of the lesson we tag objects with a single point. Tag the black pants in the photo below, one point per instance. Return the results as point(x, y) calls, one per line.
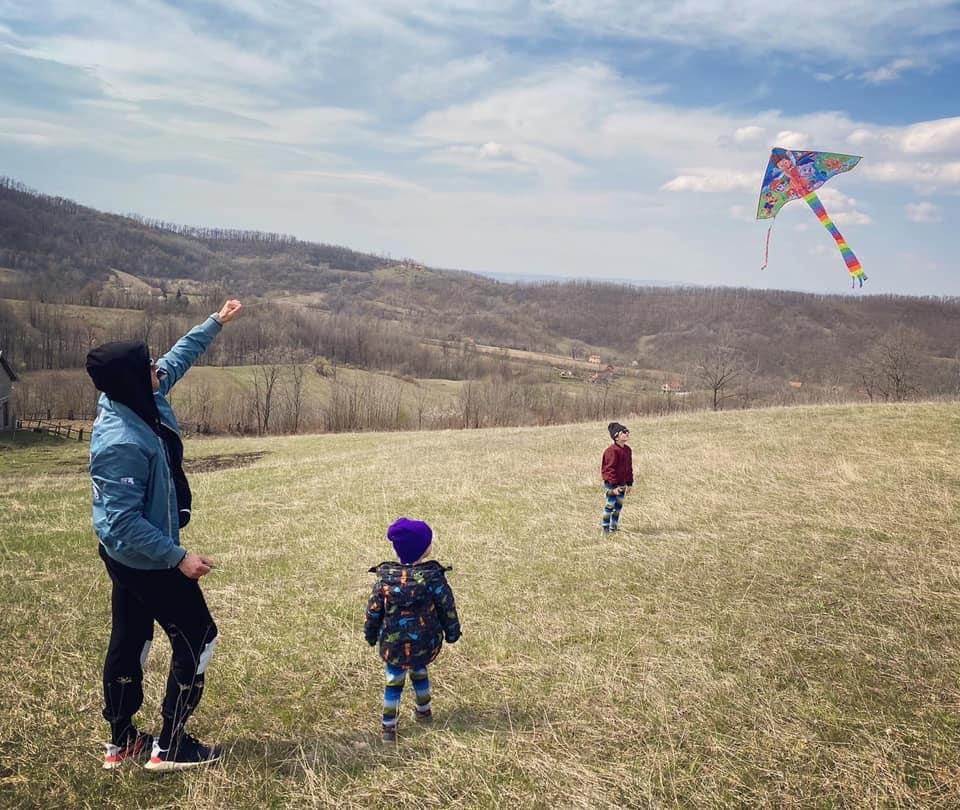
point(177, 604)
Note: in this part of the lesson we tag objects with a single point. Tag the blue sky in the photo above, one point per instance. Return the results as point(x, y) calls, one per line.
point(604, 139)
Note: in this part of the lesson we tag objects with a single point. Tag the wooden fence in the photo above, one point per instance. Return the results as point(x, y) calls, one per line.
point(68, 430)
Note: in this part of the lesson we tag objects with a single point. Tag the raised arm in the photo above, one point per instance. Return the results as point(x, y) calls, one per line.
point(184, 353)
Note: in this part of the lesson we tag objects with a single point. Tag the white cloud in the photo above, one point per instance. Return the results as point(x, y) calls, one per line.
point(924, 212)
point(748, 134)
point(851, 218)
point(933, 136)
point(711, 180)
point(889, 72)
point(38, 132)
point(789, 139)
point(497, 157)
point(858, 30)
point(432, 81)
point(842, 208)
point(923, 174)
point(862, 136)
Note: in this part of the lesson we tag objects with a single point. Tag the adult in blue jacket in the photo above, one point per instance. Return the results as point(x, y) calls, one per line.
point(141, 500)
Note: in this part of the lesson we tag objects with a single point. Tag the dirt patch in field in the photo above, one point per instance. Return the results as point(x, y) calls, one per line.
point(225, 462)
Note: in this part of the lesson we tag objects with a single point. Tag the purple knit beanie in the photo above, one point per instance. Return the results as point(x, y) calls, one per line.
point(410, 538)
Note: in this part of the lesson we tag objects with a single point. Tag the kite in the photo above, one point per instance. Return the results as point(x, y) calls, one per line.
point(794, 175)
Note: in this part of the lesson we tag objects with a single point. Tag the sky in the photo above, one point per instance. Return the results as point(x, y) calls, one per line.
point(605, 139)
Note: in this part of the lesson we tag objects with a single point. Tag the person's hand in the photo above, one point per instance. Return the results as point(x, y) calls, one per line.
point(229, 310)
point(626, 490)
point(195, 566)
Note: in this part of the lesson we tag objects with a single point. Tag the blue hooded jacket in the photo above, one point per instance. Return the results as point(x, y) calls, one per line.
point(135, 510)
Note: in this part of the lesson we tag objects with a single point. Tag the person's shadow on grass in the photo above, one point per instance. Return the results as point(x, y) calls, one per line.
point(358, 749)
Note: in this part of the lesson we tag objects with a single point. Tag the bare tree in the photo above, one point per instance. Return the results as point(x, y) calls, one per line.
point(295, 393)
point(891, 369)
point(718, 368)
point(421, 398)
point(469, 400)
point(264, 384)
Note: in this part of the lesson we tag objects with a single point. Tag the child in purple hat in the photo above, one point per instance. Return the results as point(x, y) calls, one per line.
point(410, 612)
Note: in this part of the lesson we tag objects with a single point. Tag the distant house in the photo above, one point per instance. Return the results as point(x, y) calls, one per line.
point(566, 374)
point(674, 387)
point(8, 377)
point(595, 359)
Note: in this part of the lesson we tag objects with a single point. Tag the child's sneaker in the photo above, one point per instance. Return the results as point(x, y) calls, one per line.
point(136, 746)
point(388, 734)
point(423, 716)
point(185, 752)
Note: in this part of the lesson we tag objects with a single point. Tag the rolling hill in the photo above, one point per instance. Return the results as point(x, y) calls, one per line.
point(379, 314)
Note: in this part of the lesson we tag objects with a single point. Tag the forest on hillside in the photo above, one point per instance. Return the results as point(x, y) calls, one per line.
point(71, 276)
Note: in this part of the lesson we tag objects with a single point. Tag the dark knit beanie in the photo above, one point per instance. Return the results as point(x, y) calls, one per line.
point(410, 538)
point(616, 429)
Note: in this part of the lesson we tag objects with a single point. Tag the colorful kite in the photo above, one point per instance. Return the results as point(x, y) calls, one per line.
point(794, 175)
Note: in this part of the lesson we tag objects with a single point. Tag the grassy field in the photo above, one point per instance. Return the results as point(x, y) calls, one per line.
point(778, 625)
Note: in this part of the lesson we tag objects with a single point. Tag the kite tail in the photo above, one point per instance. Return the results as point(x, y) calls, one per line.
point(854, 268)
point(766, 248)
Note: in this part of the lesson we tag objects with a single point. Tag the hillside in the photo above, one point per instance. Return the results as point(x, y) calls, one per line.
point(777, 626)
point(382, 315)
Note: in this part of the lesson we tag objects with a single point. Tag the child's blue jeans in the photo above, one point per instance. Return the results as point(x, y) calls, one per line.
point(611, 508)
point(395, 679)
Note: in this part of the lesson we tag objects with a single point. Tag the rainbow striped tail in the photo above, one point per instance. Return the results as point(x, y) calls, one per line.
point(854, 268)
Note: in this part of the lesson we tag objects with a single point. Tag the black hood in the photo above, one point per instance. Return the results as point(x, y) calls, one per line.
point(122, 371)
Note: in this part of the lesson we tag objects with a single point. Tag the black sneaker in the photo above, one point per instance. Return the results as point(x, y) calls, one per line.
point(425, 716)
point(388, 734)
point(185, 752)
point(136, 747)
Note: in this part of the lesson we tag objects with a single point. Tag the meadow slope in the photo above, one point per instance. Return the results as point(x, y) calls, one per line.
point(777, 625)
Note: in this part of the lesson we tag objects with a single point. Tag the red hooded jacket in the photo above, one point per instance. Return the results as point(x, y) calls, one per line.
point(617, 466)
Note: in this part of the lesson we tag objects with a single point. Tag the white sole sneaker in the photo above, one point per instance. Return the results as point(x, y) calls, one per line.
point(116, 756)
point(163, 766)
point(157, 764)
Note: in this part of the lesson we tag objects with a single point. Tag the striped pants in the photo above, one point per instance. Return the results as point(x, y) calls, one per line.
point(611, 508)
point(395, 679)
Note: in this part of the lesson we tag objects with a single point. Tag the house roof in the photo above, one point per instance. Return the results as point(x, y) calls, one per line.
point(6, 367)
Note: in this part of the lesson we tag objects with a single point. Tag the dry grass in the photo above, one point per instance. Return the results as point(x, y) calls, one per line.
point(778, 625)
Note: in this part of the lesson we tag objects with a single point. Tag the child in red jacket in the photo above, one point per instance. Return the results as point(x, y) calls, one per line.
point(617, 471)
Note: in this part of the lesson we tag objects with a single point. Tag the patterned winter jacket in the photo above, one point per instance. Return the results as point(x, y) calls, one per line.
point(410, 612)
